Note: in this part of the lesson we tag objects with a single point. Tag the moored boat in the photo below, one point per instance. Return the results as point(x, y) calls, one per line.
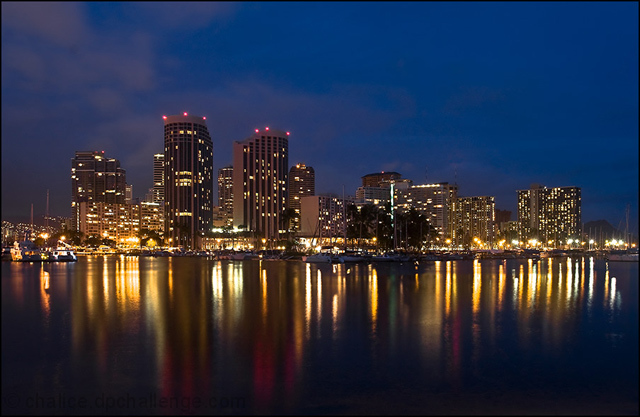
point(26, 251)
point(318, 258)
point(622, 256)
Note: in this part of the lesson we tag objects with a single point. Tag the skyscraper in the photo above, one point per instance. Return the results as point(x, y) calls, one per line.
point(158, 178)
point(225, 195)
point(302, 183)
point(260, 170)
point(188, 180)
point(95, 179)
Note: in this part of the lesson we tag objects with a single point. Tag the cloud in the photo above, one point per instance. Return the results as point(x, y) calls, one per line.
point(60, 23)
point(181, 15)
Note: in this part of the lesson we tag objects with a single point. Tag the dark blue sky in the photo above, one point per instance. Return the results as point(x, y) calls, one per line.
point(492, 96)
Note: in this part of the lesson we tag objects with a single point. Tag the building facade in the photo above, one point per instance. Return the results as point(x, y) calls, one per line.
point(473, 222)
point(95, 179)
point(260, 180)
point(158, 178)
point(551, 216)
point(323, 217)
point(225, 196)
point(435, 201)
point(114, 221)
point(302, 183)
point(188, 180)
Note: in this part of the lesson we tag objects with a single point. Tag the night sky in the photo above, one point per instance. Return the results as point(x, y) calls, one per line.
point(491, 96)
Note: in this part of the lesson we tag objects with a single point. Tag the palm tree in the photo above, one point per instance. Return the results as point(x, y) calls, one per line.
point(288, 215)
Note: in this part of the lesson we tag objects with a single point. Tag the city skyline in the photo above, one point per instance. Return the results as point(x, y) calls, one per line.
point(533, 96)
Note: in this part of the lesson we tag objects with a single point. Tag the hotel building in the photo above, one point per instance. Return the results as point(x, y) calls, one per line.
point(188, 180)
point(435, 201)
point(550, 215)
point(95, 179)
point(302, 183)
point(260, 171)
point(473, 222)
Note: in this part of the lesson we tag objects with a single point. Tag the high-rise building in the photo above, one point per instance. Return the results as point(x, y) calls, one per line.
point(473, 222)
point(302, 183)
point(260, 170)
point(435, 201)
point(225, 195)
point(158, 178)
point(188, 180)
point(95, 179)
point(551, 216)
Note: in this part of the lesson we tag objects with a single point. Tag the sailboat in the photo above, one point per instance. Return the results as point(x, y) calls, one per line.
point(629, 255)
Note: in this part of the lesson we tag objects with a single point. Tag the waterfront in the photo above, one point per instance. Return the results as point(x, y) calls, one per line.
point(143, 335)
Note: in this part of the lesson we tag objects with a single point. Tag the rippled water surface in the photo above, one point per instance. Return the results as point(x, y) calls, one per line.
point(128, 335)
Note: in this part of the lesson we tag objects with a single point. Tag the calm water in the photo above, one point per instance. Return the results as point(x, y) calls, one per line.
point(128, 335)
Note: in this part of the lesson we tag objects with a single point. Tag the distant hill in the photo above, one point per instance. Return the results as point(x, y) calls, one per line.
point(602, 230)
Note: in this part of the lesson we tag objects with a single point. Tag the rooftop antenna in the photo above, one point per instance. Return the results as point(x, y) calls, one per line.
point(425, 175)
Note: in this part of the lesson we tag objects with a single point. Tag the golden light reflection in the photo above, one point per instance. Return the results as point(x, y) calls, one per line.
point(319, 296)
point(501, 280)
point(447, 288)
point(44, 293)
point(591, 283)
point(477, 278)
point(264, 295)
point(612, 295)
point(373, 299)
point(606, 285)
point(307, 303)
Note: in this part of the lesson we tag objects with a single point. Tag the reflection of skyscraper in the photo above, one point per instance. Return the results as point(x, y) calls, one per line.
point(260, 170)
point(302, 183)
point(225, 195)
point(188, 176)
point(95, 179)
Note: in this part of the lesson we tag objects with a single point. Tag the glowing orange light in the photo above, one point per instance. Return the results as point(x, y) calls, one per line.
point(257, 130)
point(185, 113)
point(267, 128)
point(204, 118)
point(287, 133)
point(164, 117)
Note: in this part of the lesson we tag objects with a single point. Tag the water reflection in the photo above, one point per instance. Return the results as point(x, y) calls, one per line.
point(277, 334)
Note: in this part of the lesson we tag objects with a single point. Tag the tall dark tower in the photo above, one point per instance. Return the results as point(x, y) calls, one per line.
point(188, 180)
point(260, 170)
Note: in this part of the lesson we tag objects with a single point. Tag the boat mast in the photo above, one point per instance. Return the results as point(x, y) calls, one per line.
point(46, 216)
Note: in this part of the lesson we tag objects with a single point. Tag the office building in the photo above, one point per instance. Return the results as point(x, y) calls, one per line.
point(95, 179)
point(260, 172)
point(302, 183)
point(188, 180)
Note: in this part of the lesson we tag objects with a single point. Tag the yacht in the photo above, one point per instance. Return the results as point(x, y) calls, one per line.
point(26, 251)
